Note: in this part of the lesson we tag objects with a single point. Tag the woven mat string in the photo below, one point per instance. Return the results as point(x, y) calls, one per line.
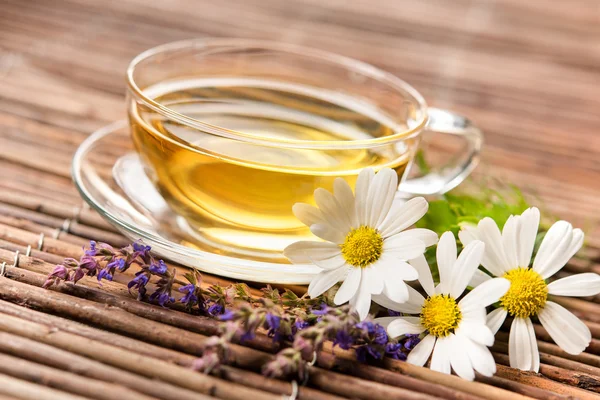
point(15, 263)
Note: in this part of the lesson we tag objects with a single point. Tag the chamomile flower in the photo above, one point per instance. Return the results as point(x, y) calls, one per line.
point(366, 245)
point(455, 330)
point(508, 254)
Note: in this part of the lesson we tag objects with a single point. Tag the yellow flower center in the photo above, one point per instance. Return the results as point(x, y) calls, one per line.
point(362, 246)
point(440, 315)
point(527, 294)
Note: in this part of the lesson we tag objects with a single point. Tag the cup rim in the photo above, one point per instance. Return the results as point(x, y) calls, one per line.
point(346, 62)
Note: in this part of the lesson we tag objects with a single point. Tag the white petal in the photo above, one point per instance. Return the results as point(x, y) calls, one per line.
point(428, 237)
point(399, 200)
point(465, 266)
point(474, 314)
point(332, 210)
point(478, 278)
point(572, 335)
point(396, 270)
point(395, 290)
point(425, 278)
point(327, 232)
point(325, 280)
point(440, 361)
point(467, 234)
point(384, 321)
point(528, 229)
point(372, 279)
point(477, 332)
point(361, 302)
point(420, 354)
point(405, 326)
point(407, 214)
point(485, 294)
point(307, 214)
point(562, 259)
point(349, 287)
point(381, 195)
point(412, 306)
point(306, 251)
point(519, 345)
point(459, 359)
point(553, 247)
point(575, 246)
point(345, 198)
point(403, 248)
point(330, 263)
point(414, 297)
point(496, 318)
point(441, 289)
point(446, 258)
point(481, 359)
point(494, 259)
point(535, 353)
point(587, 284)
point(510, 239)
point(361, 193)
point(552, 240)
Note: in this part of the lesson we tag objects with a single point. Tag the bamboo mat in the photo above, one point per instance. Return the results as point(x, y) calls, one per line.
point(527, 72)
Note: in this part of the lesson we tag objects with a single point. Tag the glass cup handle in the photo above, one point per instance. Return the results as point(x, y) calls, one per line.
point(441, 179)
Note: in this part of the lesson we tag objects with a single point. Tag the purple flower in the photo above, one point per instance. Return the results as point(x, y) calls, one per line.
point(190, 288)
point(393, 313)
point(92, 250)
point(89, 263)
point(411, 341)
point(105, 274)
point(215, 309)
point(228, 315)
point(162, 298)
point(301, 324)
point(343, 339)
point(190, 297)
point(118, 263)
point(79, 273)
point(367, 326)
point(140, 248)
point(273, 321)
point(321, 311)
point(60, 271)
point(139, 283)
point(394, 350)
point(363, 352)
point(141, 251)
point(375, 331)
point(381, 336)
point(248, 335)
point(160, 268)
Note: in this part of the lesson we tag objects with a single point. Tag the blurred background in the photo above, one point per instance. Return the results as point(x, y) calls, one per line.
point(527, 72)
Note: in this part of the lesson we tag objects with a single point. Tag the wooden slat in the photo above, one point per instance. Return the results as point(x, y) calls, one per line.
point(527, 72)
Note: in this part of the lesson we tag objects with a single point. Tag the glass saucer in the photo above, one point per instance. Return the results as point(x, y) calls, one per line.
point(110, 177)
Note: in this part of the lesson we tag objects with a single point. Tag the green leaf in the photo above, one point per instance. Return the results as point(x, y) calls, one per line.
point(421, 162)
point(458, 208)
point(440, 217)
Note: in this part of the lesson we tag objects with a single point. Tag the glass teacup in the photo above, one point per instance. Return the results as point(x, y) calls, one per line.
point(234, 132)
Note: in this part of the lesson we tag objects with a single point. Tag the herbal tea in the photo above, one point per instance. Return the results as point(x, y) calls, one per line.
point(238, 194)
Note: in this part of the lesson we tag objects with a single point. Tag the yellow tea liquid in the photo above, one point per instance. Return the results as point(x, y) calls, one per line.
point(237, 195)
